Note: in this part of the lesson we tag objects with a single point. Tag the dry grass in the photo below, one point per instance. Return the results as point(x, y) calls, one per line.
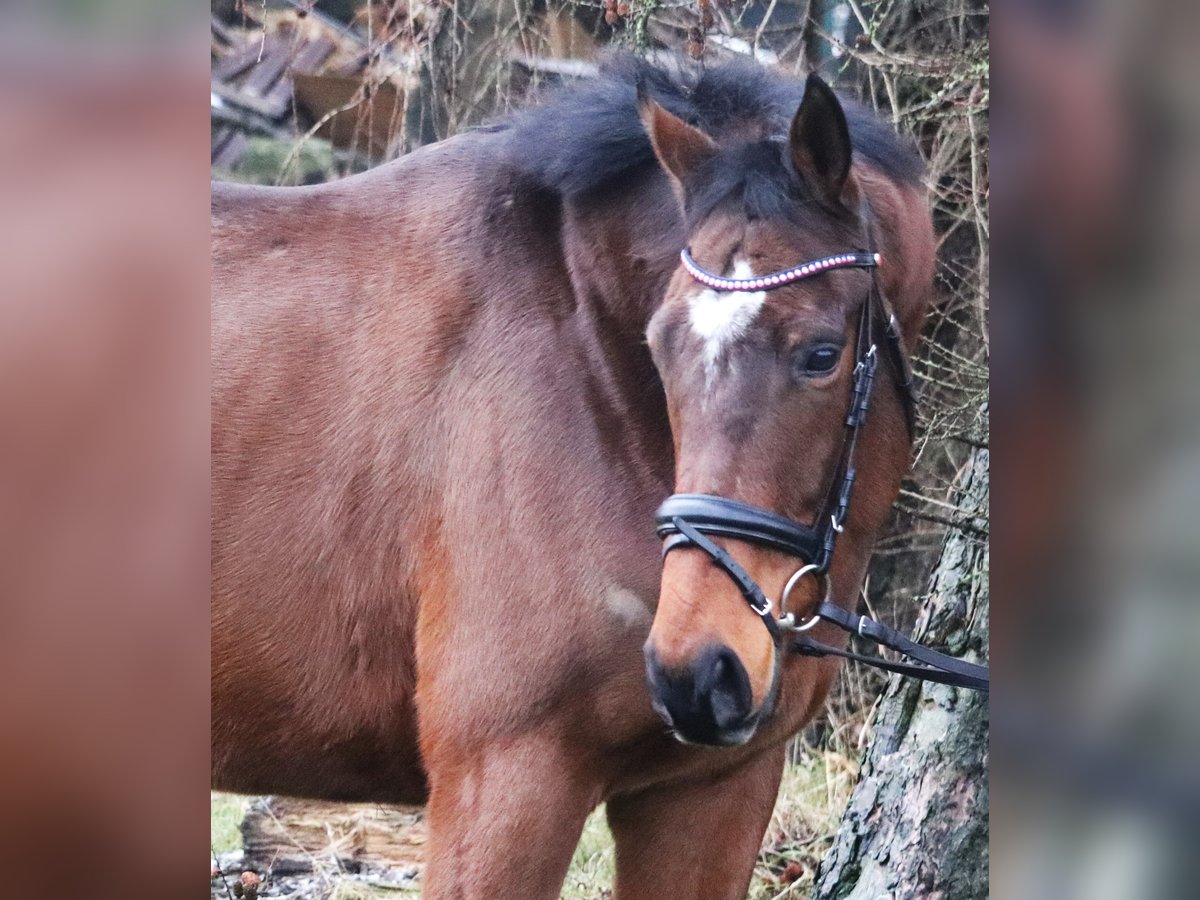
point(594, 862)
point(814, 792)
point(226, 811)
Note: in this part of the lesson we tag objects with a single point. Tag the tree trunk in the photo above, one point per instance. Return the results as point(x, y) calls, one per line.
point(917, 823)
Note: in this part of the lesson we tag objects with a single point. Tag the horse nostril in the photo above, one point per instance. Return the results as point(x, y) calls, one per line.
point(728, 688)
point(708, 701)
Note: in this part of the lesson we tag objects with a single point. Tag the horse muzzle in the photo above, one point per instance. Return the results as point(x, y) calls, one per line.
point(708, 701)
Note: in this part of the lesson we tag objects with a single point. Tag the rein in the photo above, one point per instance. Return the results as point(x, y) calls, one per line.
point(686, 520)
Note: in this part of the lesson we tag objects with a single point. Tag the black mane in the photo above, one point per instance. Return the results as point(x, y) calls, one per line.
point(590, 133)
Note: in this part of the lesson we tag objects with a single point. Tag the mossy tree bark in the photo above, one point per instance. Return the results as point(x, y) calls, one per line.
point(917, 823)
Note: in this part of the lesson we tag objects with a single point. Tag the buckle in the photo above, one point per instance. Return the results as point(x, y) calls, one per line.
point(766, 608)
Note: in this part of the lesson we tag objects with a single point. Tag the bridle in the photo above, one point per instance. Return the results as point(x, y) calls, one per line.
point(687, 520)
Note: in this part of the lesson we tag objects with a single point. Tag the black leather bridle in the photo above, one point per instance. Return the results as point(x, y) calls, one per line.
point(687, 520)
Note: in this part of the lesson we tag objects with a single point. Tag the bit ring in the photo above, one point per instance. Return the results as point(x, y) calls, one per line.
point(815, 570)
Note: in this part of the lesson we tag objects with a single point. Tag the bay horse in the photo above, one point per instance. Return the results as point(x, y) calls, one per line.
point(448, 395)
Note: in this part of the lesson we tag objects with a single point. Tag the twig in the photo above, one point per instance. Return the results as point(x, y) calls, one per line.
point(221, 872)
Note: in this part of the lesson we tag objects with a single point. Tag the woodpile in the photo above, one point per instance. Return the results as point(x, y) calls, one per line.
point(284, 836)
point(372, 80)
point(283, 75)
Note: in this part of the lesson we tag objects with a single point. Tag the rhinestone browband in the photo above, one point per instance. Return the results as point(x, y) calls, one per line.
point(766, 282)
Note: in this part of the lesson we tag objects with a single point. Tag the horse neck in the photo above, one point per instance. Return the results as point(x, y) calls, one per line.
point(621, 249)
point(620, 252)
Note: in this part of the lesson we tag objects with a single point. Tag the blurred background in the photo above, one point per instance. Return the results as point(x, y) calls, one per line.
point(1095, 784)
point(1096, 771)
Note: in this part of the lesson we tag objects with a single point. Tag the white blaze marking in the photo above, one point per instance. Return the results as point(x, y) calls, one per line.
point(626, 605)
point(722, 317)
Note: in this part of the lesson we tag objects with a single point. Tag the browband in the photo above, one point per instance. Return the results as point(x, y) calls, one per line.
point(766, 282)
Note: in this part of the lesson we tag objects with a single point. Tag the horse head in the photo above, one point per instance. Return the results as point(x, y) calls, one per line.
point(759, 360)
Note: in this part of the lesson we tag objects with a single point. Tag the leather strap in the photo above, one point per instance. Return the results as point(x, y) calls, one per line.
point(723, 517)
point(901, 370)
point(935, 666)
point(747, 585)
point(806, 646)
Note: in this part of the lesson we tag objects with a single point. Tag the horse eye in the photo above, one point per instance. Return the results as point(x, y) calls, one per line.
point(820, 360)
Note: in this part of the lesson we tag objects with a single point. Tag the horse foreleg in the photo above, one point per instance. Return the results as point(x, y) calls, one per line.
point(503, 821)
point(698, 839)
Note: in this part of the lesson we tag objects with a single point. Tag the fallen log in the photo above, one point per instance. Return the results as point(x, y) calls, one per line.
point(284, 835)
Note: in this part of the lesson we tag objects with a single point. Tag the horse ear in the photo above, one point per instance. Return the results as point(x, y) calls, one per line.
point(680, 148)
point(820, 145)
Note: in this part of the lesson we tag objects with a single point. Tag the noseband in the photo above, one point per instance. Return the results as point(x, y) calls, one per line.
point(687, 520)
